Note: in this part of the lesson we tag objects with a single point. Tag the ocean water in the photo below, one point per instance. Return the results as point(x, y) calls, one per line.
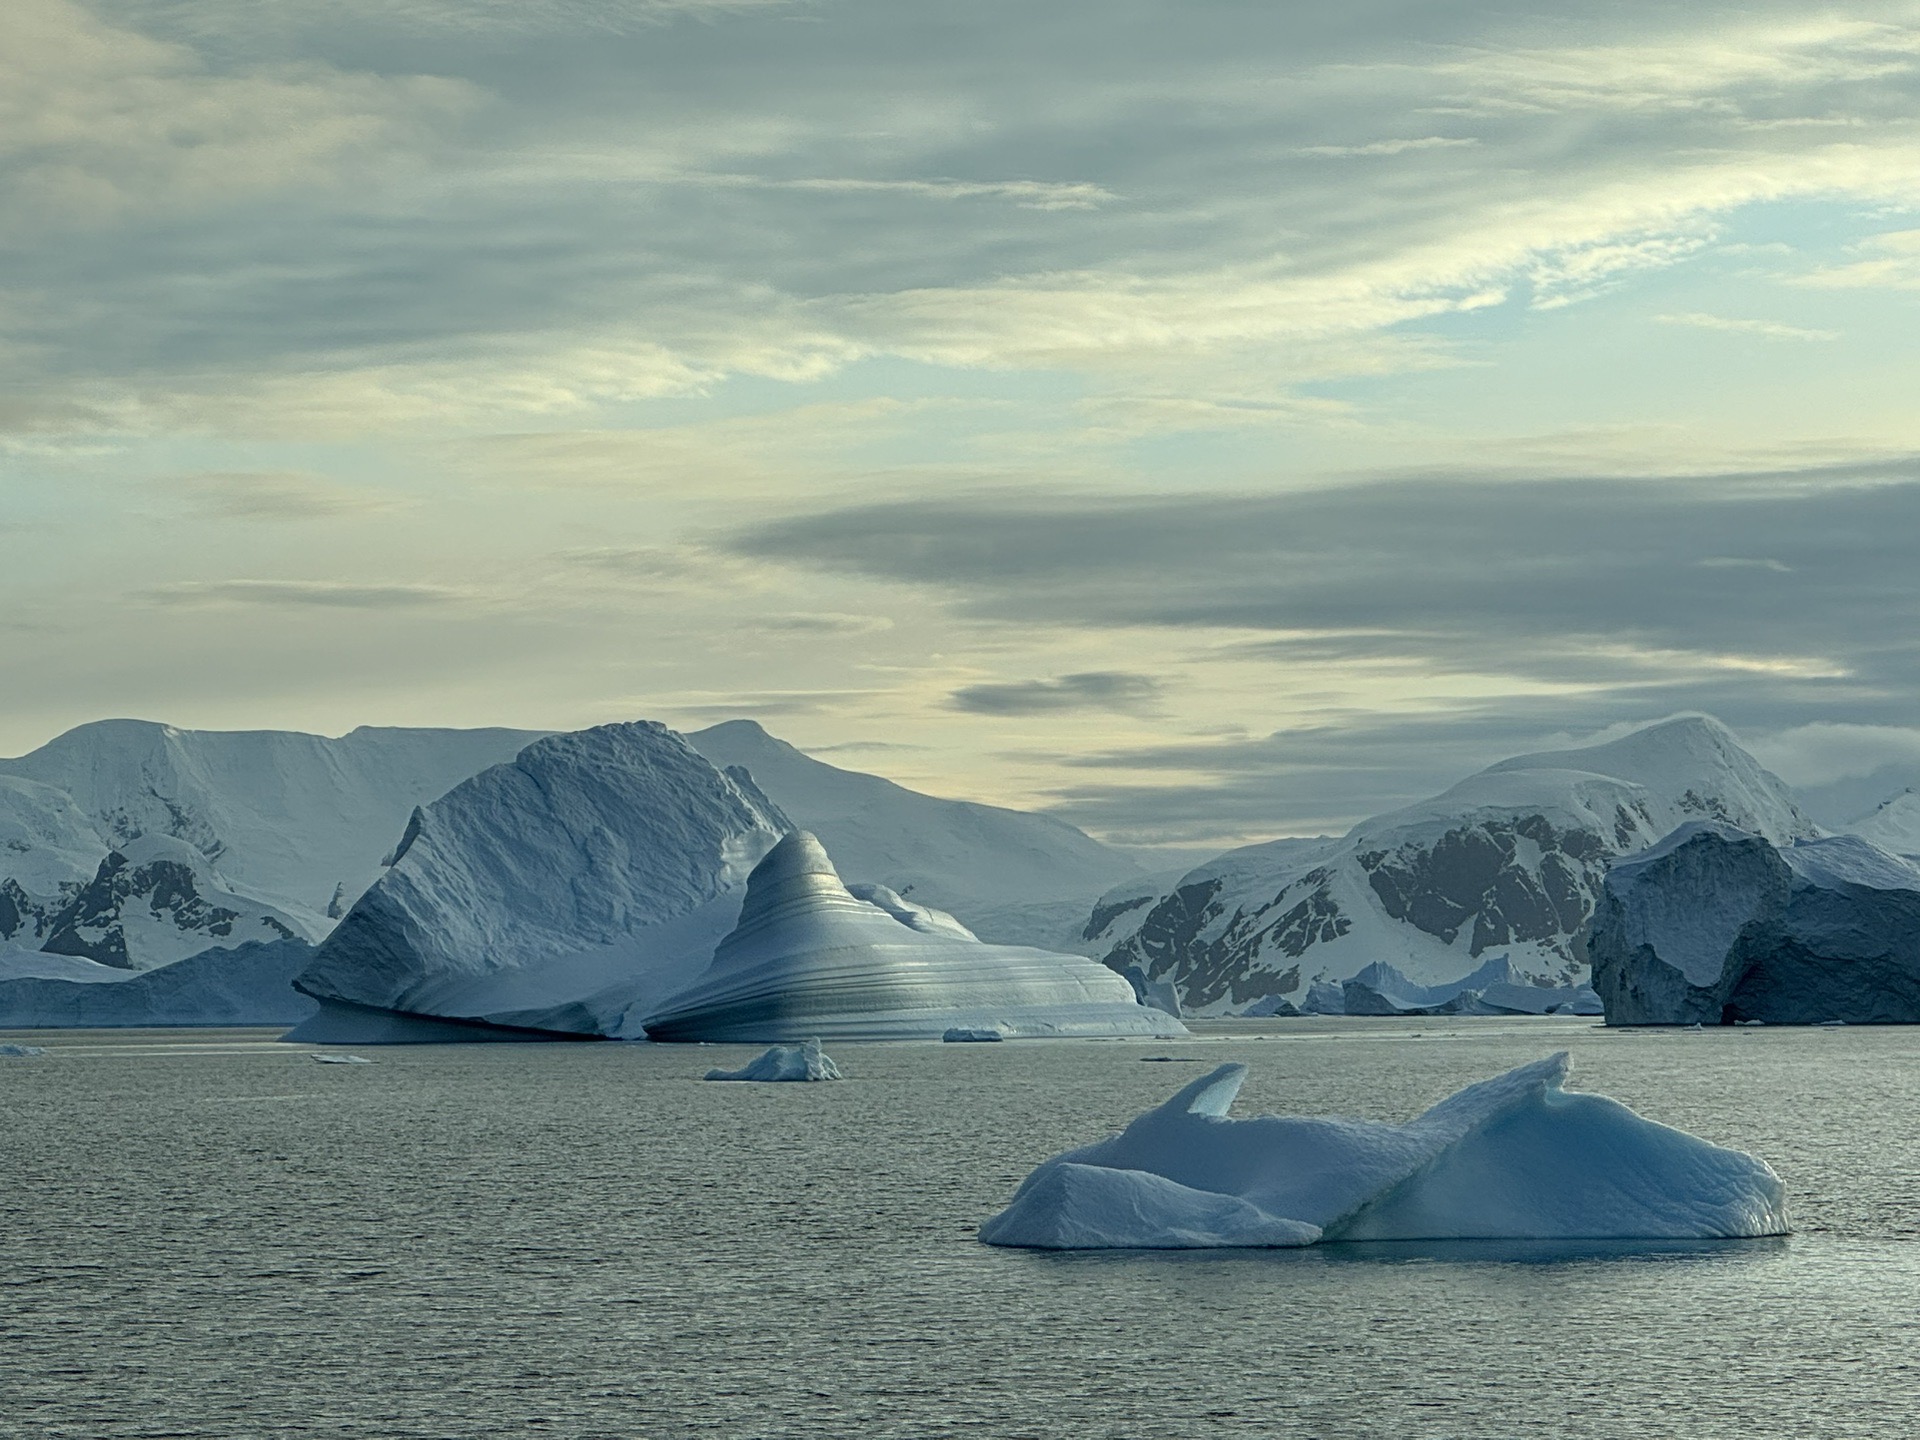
point(205, 1234)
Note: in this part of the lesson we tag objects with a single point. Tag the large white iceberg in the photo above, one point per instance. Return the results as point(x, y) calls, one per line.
point(558, 895)
point(1512, 1158)
point(809, 958)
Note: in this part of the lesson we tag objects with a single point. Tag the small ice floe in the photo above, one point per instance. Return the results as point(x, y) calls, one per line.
point(971, 1035)
point(1171, 1060)
point(784, 1062)
point(320, 1059)
point(20, 1052)
point(1512, 1158)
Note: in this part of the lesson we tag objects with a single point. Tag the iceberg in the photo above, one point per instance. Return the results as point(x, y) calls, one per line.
point(809, 958)
point(1714, 926)
point(10, 1051)
point(563, 894)
point(1516, 1157)
point(249, 984)
point(784, 1062)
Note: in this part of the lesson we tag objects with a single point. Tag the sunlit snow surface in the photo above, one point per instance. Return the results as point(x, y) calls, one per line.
point(809, 958)
point(1512, 1158)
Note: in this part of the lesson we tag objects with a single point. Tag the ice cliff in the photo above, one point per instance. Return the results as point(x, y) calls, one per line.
point(562, 892)
point(1716, 925)
point(809, 958)
point(1504, 866)
point(1516, 1157)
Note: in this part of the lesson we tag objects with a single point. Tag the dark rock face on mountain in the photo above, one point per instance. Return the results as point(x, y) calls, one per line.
point(166, 892)
point(1716, 926)
point(1504, 866)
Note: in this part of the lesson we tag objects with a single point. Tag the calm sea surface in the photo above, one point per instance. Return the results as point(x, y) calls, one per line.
point(205, 1234)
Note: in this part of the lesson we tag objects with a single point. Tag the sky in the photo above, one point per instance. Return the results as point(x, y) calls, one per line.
point(1204, 420)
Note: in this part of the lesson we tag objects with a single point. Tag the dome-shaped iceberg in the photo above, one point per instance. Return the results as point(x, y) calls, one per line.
point(809, 958)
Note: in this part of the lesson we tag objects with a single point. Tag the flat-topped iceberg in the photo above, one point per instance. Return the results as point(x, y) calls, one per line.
point(809, 958)
point(784, 1062)
point(1511, 1158)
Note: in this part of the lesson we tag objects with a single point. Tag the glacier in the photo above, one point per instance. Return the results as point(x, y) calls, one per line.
point(562, 893)
point(1516, 1157)
point(784, 1062)
point(1716, 925)
point(809, 958)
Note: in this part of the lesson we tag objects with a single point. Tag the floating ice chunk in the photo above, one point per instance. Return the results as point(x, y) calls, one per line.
point(1512, 1158)
point(319, 1059)
point(970, 1035)
point(20, 1052)
point(784, 1062)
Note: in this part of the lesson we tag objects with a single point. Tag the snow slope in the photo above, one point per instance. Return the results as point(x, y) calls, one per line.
point(1516, 1157)
point(1504, 864)
point(1893, 824)
point(808, 958)
point(296, 819)
point(593, 872)
point(1009, 876)
point(1715, 925)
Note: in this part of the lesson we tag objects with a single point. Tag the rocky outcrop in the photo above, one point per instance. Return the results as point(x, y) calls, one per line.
point(1718, 926)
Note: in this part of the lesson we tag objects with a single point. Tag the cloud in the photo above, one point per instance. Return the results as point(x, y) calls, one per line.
point(1092, 690)
point(822, 623)
point(307, 594)
point(274, 495)
point(1389, 147)
point(1767, 329)
point(98, 121)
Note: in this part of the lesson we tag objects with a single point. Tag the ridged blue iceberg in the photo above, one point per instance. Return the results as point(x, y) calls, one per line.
point(1512, 1158)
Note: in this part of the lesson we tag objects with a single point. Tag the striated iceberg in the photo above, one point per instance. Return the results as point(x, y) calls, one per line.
point(784, 1062)
point(1512, 1158)
point(564, 893)
point(810, 958)
point(1718, 926)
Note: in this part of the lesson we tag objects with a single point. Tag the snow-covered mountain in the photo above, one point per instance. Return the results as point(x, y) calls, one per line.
point(1506, 863)
point(300, 820)
point(153, 901)
point(1012, 877)
point(560, 892)
point(1893, 824)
